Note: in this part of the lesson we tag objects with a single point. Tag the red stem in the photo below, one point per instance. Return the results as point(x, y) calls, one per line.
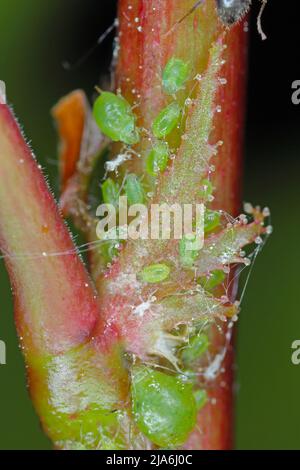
point(143, 53)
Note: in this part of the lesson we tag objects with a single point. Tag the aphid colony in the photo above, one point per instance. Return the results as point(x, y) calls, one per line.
point(170, 401)
point(165, 405)
point(116, 119)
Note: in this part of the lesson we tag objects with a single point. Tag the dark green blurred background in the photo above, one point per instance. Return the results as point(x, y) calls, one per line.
point(34, 40)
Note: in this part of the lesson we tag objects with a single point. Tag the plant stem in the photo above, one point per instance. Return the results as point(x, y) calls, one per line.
point(149, 35)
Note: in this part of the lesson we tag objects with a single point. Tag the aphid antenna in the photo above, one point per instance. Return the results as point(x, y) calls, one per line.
point(98, 89)
point(69, 66)
point(86, 247)
point(160, 366)
point(198, 3)
point(123, 181)
point(191, 10)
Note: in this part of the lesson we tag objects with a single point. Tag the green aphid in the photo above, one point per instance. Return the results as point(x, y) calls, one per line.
point(211, 220)
point(201, 398)
point(175, 74)
point(111, 244)
point(206, 189)
point(198, 345)
point(110, 192)
point(157, 158)
point(166, 121)
point(109, 250)
point(134, 190)
point(115, 118)
point(164, 407)
point(155, 273)
point(215, 278)
point(187, 251)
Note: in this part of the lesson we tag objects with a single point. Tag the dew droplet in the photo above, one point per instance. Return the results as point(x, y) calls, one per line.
point(248, 208)
point(269, 229)
point(222, 81)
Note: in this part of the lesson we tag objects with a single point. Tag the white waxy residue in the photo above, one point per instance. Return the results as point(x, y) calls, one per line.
point(215, 367)
point(142, 308)
point(114, 164)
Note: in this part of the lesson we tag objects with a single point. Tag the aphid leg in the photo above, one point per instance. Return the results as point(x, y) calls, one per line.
point(259, 27)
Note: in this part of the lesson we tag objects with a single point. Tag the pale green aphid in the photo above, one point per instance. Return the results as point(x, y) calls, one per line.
point(110, 192)
point(215, 278)
point(134, 190)
point(109, 250)
point(175, 74)
point(155, 273)
point(166, 121)
point(115, 118)
point(211, 220)
point(198, 345)
point(164, 407)
point(201, 398)
point(188, 254)
point(111, 245)
point(206, 189)
point(157, 158)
